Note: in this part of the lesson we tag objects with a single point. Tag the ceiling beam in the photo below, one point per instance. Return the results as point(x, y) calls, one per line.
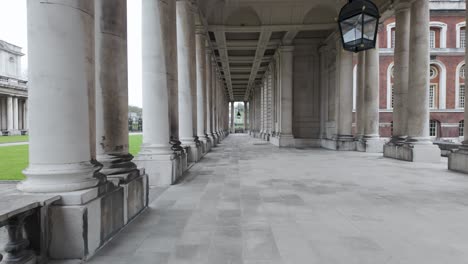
point(266, 28)
point(223, 55)
point(259, 55)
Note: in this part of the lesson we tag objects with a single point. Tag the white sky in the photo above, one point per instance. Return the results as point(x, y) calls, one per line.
point(13, 29)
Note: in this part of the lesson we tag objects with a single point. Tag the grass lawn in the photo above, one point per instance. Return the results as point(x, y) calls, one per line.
point(13, 139)
point(134, 142)
point(14, 159)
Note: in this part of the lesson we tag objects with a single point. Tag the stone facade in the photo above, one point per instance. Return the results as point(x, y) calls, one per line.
point(13, 91)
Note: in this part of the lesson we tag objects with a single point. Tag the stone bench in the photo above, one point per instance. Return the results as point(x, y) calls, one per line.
point(24, 217)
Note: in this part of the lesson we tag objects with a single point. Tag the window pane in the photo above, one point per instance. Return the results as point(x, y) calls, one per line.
point(461, 128)
point(433, 128)
point(462, 38)
point(393, 39)
point(432, 40)
point(432, 95)
point(461, 96)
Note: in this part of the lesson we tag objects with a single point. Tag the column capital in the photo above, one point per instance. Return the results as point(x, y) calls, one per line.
point(286, 49)
point(401, 5)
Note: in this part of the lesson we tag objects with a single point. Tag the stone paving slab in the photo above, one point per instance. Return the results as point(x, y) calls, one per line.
point(250, 203)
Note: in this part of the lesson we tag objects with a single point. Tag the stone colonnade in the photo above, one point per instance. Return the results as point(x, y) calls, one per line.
point(272, 115)
point(86, 160)
point(13, 115)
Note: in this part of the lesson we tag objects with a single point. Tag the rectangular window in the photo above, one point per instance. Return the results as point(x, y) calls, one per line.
point(433, 129)
point(461, 96)
point(393, 97)
point(432, 39)
point(461, 128)
point(433, 96)
point(393, 38)
point(462, 38)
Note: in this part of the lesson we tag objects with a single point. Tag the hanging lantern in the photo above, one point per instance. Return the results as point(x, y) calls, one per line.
point(358, 22)
point(238, 114)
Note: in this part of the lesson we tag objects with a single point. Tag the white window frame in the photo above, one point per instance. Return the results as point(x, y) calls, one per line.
point(459, 26)
point(457, 85)
point(432, 39)
point(443, 32)
point(389, 34)
point(442, 84)
point(434, 98)
point(435, 129)
point(389, 85)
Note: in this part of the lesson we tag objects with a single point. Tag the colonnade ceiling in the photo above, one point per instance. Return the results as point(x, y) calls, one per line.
point(245, 34)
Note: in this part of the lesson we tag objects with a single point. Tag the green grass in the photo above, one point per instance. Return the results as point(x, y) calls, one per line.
point(134, 142)
point(13, 139)
point(13, 160)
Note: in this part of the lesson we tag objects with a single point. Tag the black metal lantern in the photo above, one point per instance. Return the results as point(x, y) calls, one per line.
point(358, 22)
point(238, 114)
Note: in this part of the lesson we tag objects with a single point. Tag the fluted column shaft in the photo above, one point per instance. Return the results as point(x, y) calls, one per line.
point(418, 113)
point(360, 90)
point(401, 71)
point(112, 87)
point(62, 72)
point(15, 113)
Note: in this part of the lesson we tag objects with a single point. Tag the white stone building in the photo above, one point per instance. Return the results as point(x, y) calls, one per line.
point(13, 91)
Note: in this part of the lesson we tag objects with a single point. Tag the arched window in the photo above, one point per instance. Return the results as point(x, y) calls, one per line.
point(391, 35)
point(461, 128)
point(433, 88)
point(390, 76)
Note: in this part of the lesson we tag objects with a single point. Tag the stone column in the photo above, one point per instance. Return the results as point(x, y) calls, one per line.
point(213, 100)
point(401, 72)
point(156, 155)
point(418, 144)
point(208, 98)
point(15, 114)
point(9, 113)
point(360, 91)
point(25, 114)
point(201, 87)
point(344, 137)
point(187, 78)
point(232, 118)
point(245, 117)
point(371, 142)
point(286, 137)
point(172, 71)
point(61, 70)
point(458, 160)
point(2, 115)
point(112, 88)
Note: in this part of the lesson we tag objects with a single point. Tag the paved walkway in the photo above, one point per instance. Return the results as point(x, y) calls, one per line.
point(251, 203)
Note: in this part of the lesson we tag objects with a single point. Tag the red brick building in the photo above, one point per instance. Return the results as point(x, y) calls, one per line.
point(447, 86)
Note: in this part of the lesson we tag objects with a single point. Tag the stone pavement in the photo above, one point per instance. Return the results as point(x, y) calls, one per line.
point(251, 203)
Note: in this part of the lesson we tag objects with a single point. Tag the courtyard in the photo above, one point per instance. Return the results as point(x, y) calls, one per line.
point(249, 202)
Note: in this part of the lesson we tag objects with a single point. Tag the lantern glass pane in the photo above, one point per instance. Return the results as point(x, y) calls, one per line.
point(370, 25)
point(352, 29)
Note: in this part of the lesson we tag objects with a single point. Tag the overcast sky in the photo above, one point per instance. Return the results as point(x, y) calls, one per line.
point(13, 29)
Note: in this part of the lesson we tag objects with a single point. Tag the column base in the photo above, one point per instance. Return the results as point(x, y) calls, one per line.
point(49, 178)
point(370, 145)
point(209, 144)
point(344, 143)
point(412, 152)
point(87, 219)
point(458, 160)
point(162, 167)
point(284, 141)
point(194, 152)
point(116, 164)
